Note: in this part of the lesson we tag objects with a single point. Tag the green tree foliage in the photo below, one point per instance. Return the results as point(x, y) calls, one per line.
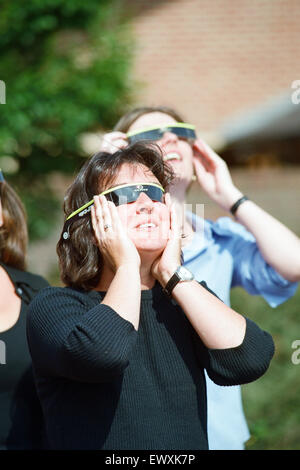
point(66, 68)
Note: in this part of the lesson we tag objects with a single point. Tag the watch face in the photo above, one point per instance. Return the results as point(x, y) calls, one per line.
point(185, 274)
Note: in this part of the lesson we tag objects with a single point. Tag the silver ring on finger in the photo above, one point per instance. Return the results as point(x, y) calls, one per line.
point(106, 227)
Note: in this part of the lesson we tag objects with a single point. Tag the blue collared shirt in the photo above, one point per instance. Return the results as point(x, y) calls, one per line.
point(225, 255)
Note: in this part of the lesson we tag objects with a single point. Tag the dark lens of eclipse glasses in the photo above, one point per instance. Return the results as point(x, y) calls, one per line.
point(123, 194)
point(182, 130)
point(127, 194)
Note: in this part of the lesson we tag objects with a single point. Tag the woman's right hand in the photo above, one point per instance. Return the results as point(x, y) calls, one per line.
point(114, 244)
point(113, 141)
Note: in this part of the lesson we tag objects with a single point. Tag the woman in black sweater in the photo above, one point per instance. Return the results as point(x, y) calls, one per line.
point(119, 353)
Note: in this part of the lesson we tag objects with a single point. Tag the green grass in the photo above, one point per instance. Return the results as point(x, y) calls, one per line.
point(272, 403)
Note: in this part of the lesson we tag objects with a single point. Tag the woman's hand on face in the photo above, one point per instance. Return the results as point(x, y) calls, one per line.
point(113, 141)
point(114, 244)
point(167, 263)
point(213, 175)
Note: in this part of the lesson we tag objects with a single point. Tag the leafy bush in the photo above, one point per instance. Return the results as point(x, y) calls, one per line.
point(66, 70)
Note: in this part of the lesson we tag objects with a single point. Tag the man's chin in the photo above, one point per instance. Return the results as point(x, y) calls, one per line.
point(179, 185)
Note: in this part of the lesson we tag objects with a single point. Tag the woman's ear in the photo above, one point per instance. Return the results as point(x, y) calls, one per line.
point(196, 147)
point(196, 155)
point(194, 177)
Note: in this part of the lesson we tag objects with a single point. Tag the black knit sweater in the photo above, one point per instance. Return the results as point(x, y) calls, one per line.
point(104, 385)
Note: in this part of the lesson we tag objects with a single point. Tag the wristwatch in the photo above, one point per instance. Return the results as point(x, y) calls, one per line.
point(181, 274)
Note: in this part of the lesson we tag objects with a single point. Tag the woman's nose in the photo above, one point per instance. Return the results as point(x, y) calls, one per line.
point(144, 204)
point(168, 138)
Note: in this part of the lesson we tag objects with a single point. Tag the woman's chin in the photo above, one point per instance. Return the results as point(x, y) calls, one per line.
point(151, 241)
point(149, 248)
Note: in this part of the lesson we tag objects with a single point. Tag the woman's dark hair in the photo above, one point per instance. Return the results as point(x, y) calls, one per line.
point(13, 232)
point(129, 118)
point(80, 260)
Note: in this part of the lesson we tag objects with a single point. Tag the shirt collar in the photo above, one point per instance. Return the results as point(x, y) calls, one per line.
point(203, 236)
point(17, 276)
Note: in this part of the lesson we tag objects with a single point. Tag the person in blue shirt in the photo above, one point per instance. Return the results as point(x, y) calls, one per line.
point(255, 251)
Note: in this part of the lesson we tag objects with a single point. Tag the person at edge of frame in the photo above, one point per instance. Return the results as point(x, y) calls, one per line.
point(21, 420)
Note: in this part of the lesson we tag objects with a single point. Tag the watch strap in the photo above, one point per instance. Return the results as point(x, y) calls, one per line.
point(237, 204)
point(172, 282)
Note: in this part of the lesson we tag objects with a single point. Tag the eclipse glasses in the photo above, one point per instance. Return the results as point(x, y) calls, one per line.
point(122, 194)
point(181, 129)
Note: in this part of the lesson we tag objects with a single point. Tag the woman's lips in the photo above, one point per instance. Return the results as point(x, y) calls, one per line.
point(148, 226)
point(172, 156)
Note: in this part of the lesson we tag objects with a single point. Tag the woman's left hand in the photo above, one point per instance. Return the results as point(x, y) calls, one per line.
point(167, 263)
point(213, 175)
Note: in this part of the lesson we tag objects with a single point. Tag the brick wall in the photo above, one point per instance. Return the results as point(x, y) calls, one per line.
point(211, 59)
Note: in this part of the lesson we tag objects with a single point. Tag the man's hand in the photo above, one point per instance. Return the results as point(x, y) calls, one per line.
point(213, 176)
point(113, 141)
